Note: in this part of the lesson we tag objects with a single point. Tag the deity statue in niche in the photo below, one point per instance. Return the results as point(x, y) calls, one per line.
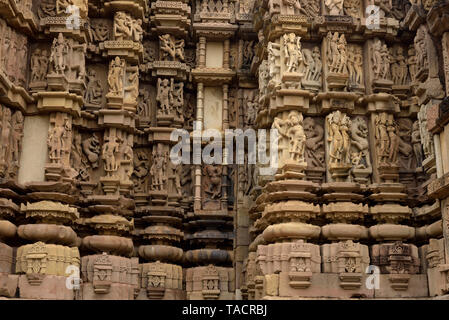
point(416, 143)
point(56, 141)
point(165, 96)
point(292, 52)
point(58, 56)
point(17, 121)
point(387, 138)
point(6, 130)
point(115, 76)
point(399, 68)
point(110, 148)
point(251, 103)
point(338, 126)
point(158, 170)
point(426, 135)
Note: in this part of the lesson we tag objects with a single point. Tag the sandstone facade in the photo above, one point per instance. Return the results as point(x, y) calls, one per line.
point(93, 207)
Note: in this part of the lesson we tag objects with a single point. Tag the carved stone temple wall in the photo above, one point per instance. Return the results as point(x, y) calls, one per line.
point(93, 207)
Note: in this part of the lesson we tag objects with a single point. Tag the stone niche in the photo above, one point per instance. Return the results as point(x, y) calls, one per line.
point(213, 108)
point(214, 55)
point(34, 149)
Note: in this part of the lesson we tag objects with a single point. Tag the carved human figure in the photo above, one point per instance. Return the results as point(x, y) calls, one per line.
point(110, 148)
point(336, 53)
point(94, 90)
point(416, 142)
point(165, 95)
point(144, 103)
point(392, 131)
point(314, 147)
point(351, 64)
point(315, 75)
point(122, 26)
point(382, 139)
point(297, 136)
point(358, 64)
point(273, 53)
point(420, 48)
point(264, 76)
point(352, 8)
point(252, 104)
point(312, 64)
point(174, 177)
point(39, 65)
point(133, 85)
point(399, 69)
point(247, 54)
point(338, 125)
point(212, 181)
point(91, 148)
point(56, 142)
point(141, 170)
point(128, 155)
point(291, 135)
point(292, 6)
point(404, 132)
point(158, 170)
point(58, 54)
point(178, 99)
point(426, 136)
point(100, 31)
point(76, 154)
point(385, 58)
point(170, 48)
point(292, 52)
point(334, 7)
point(47, 8)
point(115, 76)
point(17, 121)
point(311, 8)
point(137, 30)
point(179, 49)
point(246, 6)
point(360, 145)
point(6, 129)
point(412, 62)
